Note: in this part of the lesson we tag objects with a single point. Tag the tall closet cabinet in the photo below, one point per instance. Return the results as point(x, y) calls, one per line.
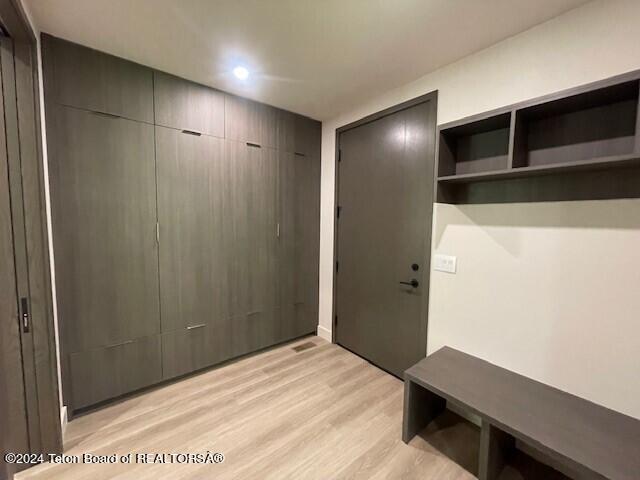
point(185, 223)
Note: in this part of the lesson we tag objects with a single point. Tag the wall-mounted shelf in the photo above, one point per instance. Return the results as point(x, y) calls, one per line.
point(585, 142)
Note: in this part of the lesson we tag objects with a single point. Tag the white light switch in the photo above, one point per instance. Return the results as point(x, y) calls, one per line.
point(444, 263)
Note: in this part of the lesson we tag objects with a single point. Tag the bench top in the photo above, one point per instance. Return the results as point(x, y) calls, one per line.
point(565, 427)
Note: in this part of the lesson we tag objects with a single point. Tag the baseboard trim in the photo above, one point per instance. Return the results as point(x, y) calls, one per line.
point(63, 419)
point(324, 333)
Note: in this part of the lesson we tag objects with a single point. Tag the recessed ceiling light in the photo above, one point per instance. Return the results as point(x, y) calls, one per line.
point(241, 73)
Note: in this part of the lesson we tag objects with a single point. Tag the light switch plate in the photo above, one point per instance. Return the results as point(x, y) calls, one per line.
point(444, 263)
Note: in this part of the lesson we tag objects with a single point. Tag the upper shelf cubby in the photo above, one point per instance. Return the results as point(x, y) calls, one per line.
point(586, 129)
point(591, 125)
point(479, 146)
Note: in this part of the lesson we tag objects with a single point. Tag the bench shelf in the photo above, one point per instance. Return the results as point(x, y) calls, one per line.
point(577, 437)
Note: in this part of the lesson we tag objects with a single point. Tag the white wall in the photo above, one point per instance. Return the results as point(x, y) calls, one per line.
point(550, 290)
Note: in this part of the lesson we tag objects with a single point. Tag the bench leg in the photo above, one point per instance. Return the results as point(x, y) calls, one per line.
point(420, 407)
point(495, 448)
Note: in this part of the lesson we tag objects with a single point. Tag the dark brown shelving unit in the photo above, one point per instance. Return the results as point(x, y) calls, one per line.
point(479, 146)
point(582, 143)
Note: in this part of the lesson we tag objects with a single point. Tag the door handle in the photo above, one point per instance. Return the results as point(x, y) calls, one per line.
point(413, 283)
point(24, 303)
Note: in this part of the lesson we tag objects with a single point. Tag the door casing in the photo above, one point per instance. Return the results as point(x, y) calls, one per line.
point(28, 195)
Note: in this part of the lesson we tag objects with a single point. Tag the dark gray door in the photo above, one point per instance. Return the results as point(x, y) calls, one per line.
point(385, 196)
point(29, 411)
point(13, 415)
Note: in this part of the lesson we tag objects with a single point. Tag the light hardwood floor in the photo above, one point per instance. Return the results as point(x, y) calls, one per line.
point(322, 413)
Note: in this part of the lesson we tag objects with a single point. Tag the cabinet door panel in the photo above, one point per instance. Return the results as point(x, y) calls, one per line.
point(103, 191)
point(191, 205)
point(186, 105)
point(306, 317)
point(261, 190)
point(252, 244)
point(286, 131)
point(249, 121)
point(235, 225)
point(251, 221)
point(194, 348)
point(81, 77)
point(299, 242)
point(254, 331)
point(307, 136)
point(103, 373)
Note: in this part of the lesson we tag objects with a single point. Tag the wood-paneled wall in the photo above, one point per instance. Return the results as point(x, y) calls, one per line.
point(185, 222)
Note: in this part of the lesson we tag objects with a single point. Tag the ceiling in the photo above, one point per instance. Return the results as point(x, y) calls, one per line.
point(315, 57)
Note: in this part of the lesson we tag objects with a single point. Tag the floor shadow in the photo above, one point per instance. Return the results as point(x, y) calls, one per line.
point(456, 438)
point(459, 440)
point(523, 467)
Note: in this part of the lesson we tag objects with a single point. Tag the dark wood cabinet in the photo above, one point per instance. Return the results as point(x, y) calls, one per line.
point(81, 77)
point(299, 196)
point(195, 347)
point(193, 264)
point(188, 106)
point(253, 122)
point(103, 191)
point(107, 372)
point(254, 331)
point(260, 188)
point(286, 131)
point(184, 235)
point(235, 225)
point(307, 137)
point(253, 279)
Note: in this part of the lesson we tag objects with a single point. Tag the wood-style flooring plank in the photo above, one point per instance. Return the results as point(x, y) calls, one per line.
point(315, 414)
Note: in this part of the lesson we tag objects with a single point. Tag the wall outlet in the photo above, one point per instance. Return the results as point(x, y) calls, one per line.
point(444, 263)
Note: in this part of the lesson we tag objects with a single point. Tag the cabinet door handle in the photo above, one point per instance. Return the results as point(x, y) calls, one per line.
point(120, 344)
point(192, 327)
point(254, 145)
point(105, 114)
point(192, 132)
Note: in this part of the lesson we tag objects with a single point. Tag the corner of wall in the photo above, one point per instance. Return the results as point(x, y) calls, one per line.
point(64, 419)
point(324, 333)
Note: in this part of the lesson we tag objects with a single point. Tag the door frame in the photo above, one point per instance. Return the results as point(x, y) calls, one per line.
point(432, 99)
point(41, 368)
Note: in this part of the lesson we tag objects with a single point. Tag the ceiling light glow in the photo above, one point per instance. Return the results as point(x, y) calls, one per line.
point(241, 73)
